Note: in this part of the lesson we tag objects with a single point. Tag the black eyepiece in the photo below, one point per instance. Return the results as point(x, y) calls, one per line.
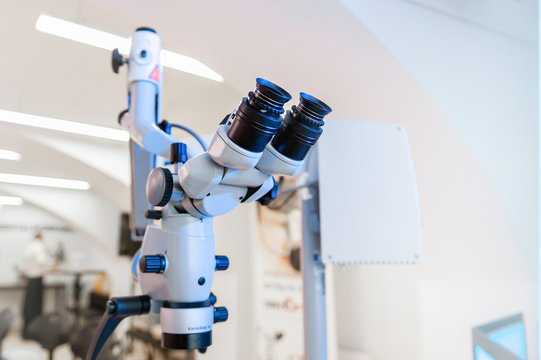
point(313, 108)
point(301, 127)
point(258, 116)
point(145, 28)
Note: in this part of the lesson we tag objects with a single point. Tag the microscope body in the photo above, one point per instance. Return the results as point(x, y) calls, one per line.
point(176, 270)
point(177, 261)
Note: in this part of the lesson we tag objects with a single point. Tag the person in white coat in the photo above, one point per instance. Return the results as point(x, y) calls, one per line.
point(36, 263)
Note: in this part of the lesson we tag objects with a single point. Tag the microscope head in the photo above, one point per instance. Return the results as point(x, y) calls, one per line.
point(243, 134)
point(300, 130)
point(255, 135)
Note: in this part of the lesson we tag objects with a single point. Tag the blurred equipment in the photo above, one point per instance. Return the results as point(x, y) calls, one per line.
point(504, 339)
point(142, 162)
point(128, 244)
point(81, 337)
point(77, 283)
point(177, 260)
point(51, 330)
point(6, 317)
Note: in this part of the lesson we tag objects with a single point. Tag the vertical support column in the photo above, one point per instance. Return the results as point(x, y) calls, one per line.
point(142, 162)
point(313, 269)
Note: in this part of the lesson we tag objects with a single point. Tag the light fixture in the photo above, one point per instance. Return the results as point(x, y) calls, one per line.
point(10, 200)
point(108, 41)
point(72, 127)
point(44, 181)
point(9, 155)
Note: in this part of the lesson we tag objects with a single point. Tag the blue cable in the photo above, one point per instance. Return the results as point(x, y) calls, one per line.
point(193, 133)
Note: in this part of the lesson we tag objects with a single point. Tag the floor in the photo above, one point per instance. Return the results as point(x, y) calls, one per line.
point(15, 348)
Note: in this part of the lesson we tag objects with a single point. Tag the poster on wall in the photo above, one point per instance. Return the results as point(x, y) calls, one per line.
point(278, 280)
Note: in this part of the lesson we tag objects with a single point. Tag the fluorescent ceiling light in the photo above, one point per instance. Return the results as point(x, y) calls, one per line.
point(107, 41)
point(44, 181)
point(11, 200)
point(9, 155)
point(71, 127)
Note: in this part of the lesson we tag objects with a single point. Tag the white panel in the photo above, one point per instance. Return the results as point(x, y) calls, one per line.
point(369, 205)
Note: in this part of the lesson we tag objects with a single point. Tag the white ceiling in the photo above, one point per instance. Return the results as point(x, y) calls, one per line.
point(318, 47)
point(514, 18)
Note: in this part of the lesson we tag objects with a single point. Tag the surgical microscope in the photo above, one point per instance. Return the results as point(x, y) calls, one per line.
point(177, 262)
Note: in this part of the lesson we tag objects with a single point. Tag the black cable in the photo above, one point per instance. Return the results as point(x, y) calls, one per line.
point(297, 187)
point(288, 194)
point(193, 133)
point(286, 199)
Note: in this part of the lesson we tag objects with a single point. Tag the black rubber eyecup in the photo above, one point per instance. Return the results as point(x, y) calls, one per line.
point(270, 93)
point(313, 107)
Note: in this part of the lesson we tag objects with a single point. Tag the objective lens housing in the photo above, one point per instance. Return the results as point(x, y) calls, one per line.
point(258, 116)
point(301, 127)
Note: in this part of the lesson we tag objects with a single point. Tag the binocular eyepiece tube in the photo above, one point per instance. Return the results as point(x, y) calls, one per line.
point(301, 128)
point(255, 135)
point(258, 116)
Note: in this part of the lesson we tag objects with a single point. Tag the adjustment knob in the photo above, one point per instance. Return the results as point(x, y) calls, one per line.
point(178, 153)
point(220, 314)
point(159, 186)
point(212, 299)
point(222, 262)
point(152, 264)
point(154, 214)
point(117, 60)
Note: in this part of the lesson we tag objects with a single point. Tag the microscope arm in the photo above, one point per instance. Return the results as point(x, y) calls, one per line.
point(117, 309)
point(141, 120)
point(145, 79)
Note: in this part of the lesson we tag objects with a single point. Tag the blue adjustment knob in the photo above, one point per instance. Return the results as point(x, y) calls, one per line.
point(222, 262)
point(212, 299)
point(152, 264)
point(220, 314)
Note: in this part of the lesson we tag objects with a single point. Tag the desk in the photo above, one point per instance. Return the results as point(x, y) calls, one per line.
point(77, 287)
point(11, 296)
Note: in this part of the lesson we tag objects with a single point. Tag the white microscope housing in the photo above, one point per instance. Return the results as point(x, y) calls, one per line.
point(177, 261)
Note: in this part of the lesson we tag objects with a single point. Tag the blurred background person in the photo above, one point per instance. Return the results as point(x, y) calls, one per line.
point(36, 263)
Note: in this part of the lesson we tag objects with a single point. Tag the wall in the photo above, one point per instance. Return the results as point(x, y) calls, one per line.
point(475, 157)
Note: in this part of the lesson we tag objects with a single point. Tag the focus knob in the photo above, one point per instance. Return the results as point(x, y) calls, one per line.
point(152, 264)
point(159, 186)
point(220, 314)
point(117, 60)
point(222, 262)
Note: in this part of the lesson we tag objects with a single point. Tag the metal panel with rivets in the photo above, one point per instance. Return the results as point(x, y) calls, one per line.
point(369, 203)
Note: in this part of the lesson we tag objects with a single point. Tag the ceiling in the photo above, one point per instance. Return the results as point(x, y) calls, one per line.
point(318, 47)
point(514, 18)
